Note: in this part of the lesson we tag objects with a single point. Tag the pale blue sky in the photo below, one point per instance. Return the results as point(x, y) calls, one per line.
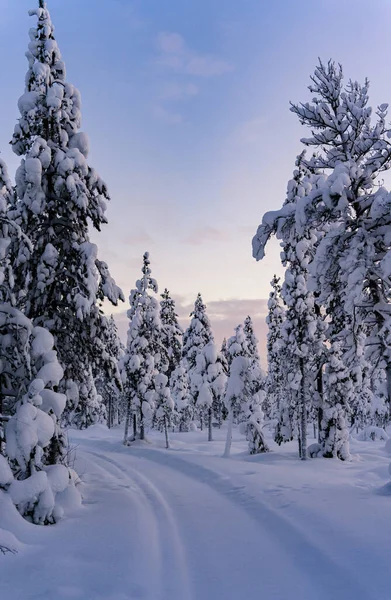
point(186, 103)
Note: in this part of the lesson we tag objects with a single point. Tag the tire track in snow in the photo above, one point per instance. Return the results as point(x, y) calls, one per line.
point(330, 579)
point(172, 565)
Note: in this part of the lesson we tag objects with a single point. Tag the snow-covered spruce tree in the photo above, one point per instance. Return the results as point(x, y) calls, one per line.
point(209, 380)
point(352, 150)
point(276, 382)
point(242, 404)
point(34, 444)
point(303, 328)
point(172, 333)
point(143, 352)
point(252, 342)
point(181, 395)
point(224, 355)
point(60, 284)
point(258, 376)
point(244, 395)
point(108, 384)
point(164, 404)
point(380, 416)
point(237, 345)
point(196, 337)
point(334, 434)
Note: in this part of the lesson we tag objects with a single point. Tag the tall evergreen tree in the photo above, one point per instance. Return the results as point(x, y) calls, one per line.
point(196, 337)
point(243, 393)
point(143, 351)
point(108, 383)
point(302, 330)
point(351, 268)
point(276, 384)
point(172, 333)
point(164, 404)
point(61, 283)
point(209, 379)
point(31, 406)
point(334, 434)
point(181, 395)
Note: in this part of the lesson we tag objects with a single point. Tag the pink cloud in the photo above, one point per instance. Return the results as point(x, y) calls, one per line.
point(202, 234)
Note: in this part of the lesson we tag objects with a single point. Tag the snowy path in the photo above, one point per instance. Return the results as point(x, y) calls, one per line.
point(182, 525)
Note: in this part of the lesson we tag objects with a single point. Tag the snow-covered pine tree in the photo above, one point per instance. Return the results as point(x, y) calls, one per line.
point(352, 151)
point(181, 395)
point(303, 328)
point(334, 434)
point(30, 405)
point(196, 337)
point(224, 355)
point(252, 342)
point(237, 345)
point(164, 404)
point(209, 380)
point(276, 383)
point(172, 333)
point(108, 384)
point(143, 352)
point(242, 404)
point(60, 284)
point(243, 395)
point(258, 376)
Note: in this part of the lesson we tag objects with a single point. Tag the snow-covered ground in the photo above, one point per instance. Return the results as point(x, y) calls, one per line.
point(187, 524)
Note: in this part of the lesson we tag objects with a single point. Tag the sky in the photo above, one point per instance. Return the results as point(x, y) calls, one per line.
point(186, 104)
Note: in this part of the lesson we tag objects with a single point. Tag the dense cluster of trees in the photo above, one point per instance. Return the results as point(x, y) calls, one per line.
point(175, 380)
point(330, 321)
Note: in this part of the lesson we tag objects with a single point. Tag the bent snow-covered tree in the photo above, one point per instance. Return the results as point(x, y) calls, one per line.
point(61, 283)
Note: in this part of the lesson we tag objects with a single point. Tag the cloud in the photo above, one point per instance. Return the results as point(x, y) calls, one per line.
point(224, 316)
point(178, 91)
point(127, 12)
point(175, 54)
point(167, 116)
point(136, 237)
point(202, 234)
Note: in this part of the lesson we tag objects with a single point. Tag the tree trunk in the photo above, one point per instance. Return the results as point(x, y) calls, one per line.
point(228, 441)
point(166, 432)
point(314, 425)
point(142, 430)
point(210, 437)
point(303, 415)
point(201, 422)
point(127, 419)
point(110, 413)
point(388, 374)
point(134, 425)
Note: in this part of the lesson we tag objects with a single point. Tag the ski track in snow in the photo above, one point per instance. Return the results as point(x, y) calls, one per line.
point(308, 562)
point(158, 525)
point(171, 579)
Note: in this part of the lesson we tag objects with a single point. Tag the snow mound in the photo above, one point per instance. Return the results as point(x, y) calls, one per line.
point(373, 434)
